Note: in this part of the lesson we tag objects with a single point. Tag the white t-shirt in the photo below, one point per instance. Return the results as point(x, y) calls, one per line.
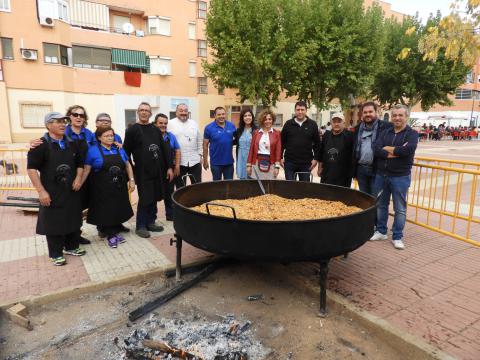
point(189, 138)
point(264, 144)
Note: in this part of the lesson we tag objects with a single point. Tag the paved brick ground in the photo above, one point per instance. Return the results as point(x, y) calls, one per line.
point(431, 289)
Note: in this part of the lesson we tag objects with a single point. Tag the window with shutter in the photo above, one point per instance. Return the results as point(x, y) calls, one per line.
point(5, 5)
point(202, 48)
point(32, 114)
point(202, 9)
point(51, 53)
point(192, 31)
point(92, 58)
point(192, 69)
point(202, 85)
point(7, 48)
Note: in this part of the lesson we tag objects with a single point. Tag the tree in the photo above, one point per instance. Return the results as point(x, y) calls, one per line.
point(347, 44)
point(456, 36)
point(407, 77)
point(257, 47)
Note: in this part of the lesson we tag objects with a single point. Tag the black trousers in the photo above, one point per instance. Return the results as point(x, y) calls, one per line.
point(56, 243)
point(195, 170)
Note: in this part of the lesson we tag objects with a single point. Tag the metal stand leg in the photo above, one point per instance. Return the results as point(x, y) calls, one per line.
point(323, 287)
point(178, 263)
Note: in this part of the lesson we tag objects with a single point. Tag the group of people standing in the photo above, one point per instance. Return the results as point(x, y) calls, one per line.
point(74, 169)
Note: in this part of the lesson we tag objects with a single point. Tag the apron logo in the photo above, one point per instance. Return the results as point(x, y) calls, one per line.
point(116, 175)
point(62, 174)
point(154, 149)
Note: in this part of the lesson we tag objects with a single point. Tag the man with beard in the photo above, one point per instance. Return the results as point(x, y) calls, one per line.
point(190, 141)
point(152, 167)
point(366, 133)
point(335, 155)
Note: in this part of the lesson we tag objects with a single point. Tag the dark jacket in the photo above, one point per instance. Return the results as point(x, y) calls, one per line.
point(405, 143)
point(382, 125)
point(300, 145)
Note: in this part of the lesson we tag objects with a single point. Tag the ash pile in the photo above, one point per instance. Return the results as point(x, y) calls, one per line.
point(194, 338)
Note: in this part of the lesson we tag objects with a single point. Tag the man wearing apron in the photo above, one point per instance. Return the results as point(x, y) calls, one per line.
point(152, 167)
point(60, 164)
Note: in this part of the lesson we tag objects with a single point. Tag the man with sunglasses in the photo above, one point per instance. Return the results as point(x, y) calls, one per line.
point(152, 167)
point(55, 168)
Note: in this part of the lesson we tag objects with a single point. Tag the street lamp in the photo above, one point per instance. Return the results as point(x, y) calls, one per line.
point(474, 93)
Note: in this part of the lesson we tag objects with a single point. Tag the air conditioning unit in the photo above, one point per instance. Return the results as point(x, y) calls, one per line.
point(46, 21)
point(163, 70)
point(139, 33)
point(29, 54)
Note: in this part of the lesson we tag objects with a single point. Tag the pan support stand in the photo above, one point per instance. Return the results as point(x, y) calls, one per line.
point(178, 263)
point(323, 287)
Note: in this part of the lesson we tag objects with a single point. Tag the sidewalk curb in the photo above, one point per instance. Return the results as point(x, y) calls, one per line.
point(411, 346)
point(77, 290)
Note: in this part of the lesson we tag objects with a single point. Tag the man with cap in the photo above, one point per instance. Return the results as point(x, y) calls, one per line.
point(59, 161)
point(335, 155)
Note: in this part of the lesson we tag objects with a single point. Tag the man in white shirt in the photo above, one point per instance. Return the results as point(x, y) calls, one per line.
point(191, 141)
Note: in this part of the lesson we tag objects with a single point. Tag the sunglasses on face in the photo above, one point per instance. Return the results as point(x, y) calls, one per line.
point(78, 115)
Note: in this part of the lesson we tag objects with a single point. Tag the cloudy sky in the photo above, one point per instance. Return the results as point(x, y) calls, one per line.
point(424, 7)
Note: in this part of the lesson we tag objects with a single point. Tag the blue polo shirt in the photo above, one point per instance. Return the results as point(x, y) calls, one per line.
point(116, 138)
point(95, 159)
point(220, 142)
point(85, 134)
point(171, 140)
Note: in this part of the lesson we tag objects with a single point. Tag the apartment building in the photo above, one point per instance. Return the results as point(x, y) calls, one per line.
point(109, 55)
point(106, 55)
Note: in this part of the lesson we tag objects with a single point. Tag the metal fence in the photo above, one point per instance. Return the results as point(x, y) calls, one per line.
point(13, 170)
point(444, 197)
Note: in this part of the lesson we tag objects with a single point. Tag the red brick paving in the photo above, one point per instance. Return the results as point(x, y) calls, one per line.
point(37, 275)
point(431, 289)
point(189, 253)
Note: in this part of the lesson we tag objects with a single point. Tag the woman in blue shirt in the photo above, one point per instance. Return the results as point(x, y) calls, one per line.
point(243, 138)
point(110, 182)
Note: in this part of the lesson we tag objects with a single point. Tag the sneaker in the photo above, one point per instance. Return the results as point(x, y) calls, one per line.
point(75, 252)
point(112, 242)
point(58, 261)
point(378, 236)
point(120, 239)
point(123, 228)
point(154, 227)
point(84, 241)
point(142, 232)
point(398, 244)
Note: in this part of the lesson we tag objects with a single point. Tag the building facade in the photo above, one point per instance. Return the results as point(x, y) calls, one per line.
point(110, 55)
point(106, 55)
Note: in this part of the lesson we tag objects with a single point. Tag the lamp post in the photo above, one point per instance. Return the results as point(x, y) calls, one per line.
point(474, 93)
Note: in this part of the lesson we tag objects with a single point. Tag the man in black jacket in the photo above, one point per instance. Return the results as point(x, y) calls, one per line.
point(394, 153)
point(152, 167)
point(335, 155)
point(365, 135)
point(300, 144)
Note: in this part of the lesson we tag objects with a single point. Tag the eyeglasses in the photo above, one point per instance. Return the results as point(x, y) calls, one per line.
point(78, 115)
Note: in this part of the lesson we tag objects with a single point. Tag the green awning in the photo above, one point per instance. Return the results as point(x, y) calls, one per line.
point(132, 58)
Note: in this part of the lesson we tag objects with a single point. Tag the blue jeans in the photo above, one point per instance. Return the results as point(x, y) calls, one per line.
point(219, 170)
point(291, 169)
point(397, 188)
point(365, 179)
point(146, 215)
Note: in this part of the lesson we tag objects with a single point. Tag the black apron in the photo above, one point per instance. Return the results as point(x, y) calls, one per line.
point(64, 215)
point(150, 182)
point(109, 202)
